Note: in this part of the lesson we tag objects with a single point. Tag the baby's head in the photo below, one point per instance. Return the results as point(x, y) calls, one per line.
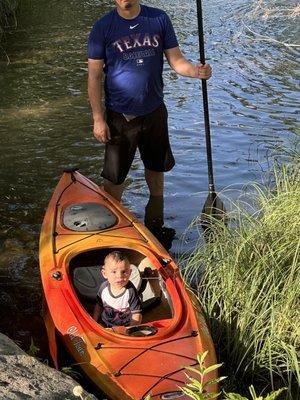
point(116, 269)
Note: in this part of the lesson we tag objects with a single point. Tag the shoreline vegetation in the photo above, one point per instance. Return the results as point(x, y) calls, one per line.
point(8, 10)
point(247, 280)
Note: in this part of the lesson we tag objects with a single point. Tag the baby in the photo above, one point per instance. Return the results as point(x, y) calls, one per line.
point(118, 300)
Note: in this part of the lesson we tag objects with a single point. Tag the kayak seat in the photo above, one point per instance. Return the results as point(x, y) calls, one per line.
point(87, 280)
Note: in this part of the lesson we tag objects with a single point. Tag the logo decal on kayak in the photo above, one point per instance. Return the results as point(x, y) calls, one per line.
point(77, 341)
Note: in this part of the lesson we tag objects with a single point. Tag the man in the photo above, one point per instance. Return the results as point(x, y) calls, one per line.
point(128, 45)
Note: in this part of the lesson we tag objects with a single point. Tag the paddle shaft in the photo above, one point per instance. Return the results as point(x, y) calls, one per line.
point(211, 184)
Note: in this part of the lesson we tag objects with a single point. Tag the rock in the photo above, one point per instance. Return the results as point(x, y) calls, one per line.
point(24, 377)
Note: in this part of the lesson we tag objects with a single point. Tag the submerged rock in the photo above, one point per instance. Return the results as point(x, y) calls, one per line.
point(24, 377)
point(13, 244)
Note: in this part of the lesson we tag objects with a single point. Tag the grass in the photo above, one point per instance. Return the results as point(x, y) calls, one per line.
point(248, 282)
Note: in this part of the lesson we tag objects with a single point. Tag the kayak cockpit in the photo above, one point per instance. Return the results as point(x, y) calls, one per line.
point(86, 277)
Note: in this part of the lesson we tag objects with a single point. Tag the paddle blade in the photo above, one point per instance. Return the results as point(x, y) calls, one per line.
point(213, 210)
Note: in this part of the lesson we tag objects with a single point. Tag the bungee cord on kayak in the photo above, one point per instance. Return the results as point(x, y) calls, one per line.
point(151, 348)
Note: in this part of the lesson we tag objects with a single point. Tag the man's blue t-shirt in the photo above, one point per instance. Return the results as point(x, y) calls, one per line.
point(132, 50)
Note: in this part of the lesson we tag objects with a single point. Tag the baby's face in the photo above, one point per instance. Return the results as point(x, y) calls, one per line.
point(117, 273)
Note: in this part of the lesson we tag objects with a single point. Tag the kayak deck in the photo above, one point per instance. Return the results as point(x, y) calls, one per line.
point(81, 226)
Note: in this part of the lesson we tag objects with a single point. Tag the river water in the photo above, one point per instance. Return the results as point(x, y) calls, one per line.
point(45, 123)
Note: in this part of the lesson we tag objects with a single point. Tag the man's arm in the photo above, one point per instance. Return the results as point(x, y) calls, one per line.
point(185, 68)
point(95, 72)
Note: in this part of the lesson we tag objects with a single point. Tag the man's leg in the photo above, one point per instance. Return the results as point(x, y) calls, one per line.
point(154, 211)
point(155, 182)
point(119, 153)
point(157, 155)
point(115, 191)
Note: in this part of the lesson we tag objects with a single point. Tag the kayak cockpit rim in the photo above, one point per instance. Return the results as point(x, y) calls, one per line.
point(168, 283)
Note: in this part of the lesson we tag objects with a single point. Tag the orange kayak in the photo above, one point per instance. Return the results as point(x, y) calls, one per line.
point(81, 226)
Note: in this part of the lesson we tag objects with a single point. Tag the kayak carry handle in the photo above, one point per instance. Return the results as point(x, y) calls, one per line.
point(71, 170)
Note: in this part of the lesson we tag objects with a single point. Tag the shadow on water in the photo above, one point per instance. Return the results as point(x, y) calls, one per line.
point(21, 297)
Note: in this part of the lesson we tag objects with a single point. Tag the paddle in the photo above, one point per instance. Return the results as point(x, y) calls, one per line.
point(213, 206)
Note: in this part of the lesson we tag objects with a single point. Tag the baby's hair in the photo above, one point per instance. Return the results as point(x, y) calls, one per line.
point(117, 256)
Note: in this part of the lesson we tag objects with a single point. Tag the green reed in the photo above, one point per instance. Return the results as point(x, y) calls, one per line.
point(247, 279)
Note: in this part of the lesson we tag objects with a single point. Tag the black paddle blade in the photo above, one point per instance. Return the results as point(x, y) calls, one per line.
point(213, 210)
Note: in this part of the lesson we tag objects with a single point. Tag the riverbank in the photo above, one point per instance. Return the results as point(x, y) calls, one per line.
point(24, 377)
point(249, 287)
point(8, 9)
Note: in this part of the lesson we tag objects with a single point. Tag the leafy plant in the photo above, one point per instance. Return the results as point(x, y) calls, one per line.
point(198, 389)
point(33, 349)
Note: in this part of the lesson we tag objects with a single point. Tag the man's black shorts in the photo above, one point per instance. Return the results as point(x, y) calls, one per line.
point(148, 133)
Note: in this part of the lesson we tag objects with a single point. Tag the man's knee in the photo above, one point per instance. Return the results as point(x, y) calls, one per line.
point(114, 190)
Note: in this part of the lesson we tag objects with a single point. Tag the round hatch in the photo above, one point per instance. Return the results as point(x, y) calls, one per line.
point(88, 217)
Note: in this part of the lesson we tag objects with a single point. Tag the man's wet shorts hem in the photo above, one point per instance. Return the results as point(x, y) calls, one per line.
point(148, 133)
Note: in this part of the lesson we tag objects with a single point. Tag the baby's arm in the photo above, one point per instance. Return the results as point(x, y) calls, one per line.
point(135, 307)
point(136, 319)
point(97, 311)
